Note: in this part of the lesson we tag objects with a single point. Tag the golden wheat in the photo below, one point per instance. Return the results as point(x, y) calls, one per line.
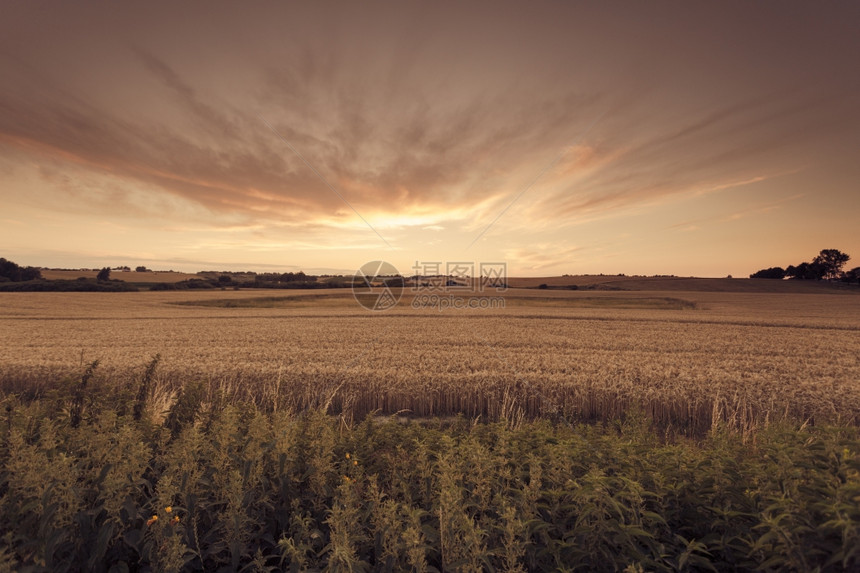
point(746, 359)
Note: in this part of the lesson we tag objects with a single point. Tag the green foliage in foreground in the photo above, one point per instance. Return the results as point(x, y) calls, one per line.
point(232, 488)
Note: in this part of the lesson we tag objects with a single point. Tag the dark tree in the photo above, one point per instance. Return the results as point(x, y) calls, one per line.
point(292, 277)
point(104, 274)
point(141, 269)
point(771, 273)
point(30, 273)
point(831, 262)
point(10, 270)
point(813, 271)
point(16, 273)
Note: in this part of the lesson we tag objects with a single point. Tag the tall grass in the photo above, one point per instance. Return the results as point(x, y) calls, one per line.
point(502, 396)
point(233, 487)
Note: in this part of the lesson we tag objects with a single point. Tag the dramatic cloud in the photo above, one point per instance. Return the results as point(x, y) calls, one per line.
point(228, 130)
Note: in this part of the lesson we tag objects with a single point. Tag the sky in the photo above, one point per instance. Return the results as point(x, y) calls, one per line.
point(686, 138)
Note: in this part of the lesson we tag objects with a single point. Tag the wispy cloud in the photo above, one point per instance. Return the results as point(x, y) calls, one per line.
point(542, 257)
point(430, 160)
point(736, 215)
point(424, 120)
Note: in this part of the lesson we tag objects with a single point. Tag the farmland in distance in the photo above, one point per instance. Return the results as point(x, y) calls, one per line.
point(689, 359)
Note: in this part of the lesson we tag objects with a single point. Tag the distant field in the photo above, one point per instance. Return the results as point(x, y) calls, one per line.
point(131, 277)
point(513, 299)
point(586, 282)
point(688, 359)
point(682, 284)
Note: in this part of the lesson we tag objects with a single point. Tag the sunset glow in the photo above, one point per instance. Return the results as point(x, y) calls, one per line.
point(691, 139)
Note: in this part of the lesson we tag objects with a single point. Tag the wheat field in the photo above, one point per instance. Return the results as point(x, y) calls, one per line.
point(593, 431)
point(688, 360)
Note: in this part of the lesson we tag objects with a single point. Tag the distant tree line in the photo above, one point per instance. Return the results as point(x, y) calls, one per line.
point(79, 285)
point(827, 265)
point(15, 278)
point(11, 272)
point(283, 277)
point(297, 280)
point(190, 284)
